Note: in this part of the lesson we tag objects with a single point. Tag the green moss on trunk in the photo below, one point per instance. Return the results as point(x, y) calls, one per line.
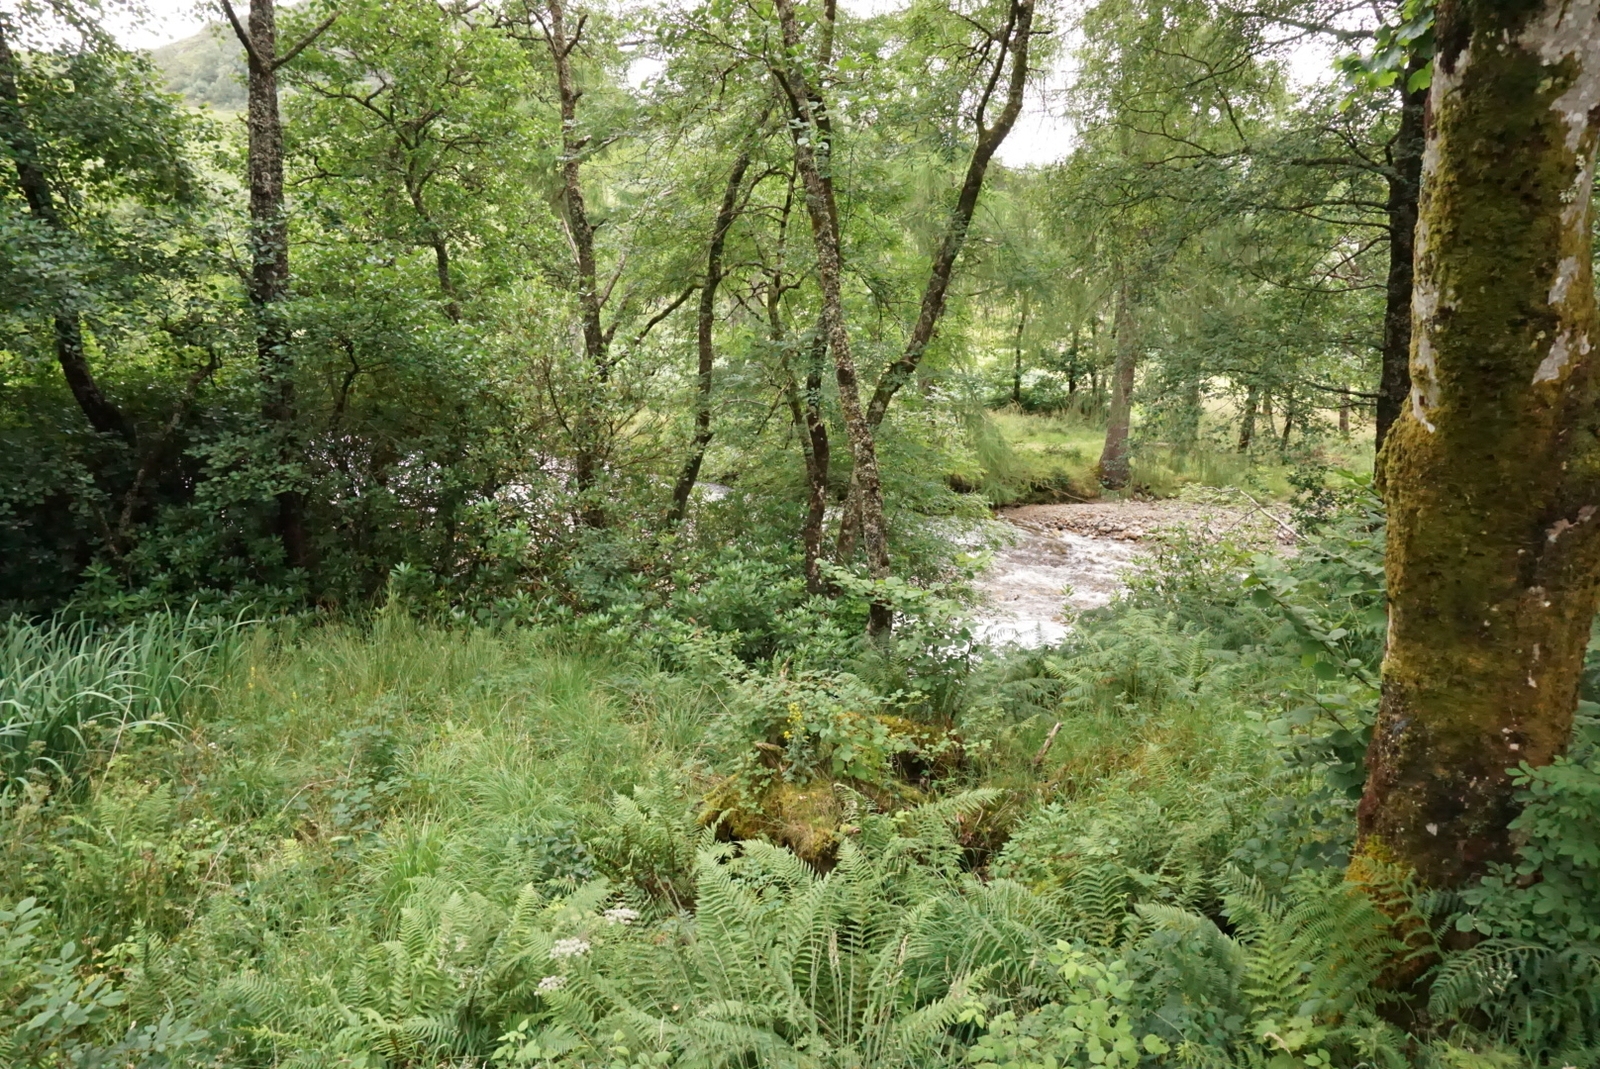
point(1491, 473)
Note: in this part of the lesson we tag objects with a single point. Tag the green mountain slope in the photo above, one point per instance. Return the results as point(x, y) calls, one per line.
point(207, 68)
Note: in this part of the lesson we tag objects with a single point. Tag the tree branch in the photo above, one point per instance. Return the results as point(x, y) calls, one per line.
point(244, 36)
point(312, 36)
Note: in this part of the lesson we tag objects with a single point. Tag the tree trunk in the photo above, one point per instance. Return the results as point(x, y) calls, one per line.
point(1187, 439)
point(1289, 412)
point(813, 137)
point(1405, 175)
point(103, 416)
point(441, 251)
point(269, 255)
point(1072, 364)
point(1344, 417)
point(704, 341)
point(1114, 468)
point(813, 431)
point(821, 457)
point(1491, 470)
point(1016, 365)
point(1013, 42)
point(589, 460)
point(1247, 422)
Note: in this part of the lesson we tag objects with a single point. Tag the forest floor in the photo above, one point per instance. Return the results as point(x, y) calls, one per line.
point(1069, 558)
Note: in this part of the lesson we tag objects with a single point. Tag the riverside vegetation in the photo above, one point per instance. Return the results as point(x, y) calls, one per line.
point(613, 841)
point(383, 685)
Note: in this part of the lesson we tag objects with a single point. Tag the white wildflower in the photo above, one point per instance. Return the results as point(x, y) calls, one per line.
point(552, 983)
point(620, 915)
point(568, 948)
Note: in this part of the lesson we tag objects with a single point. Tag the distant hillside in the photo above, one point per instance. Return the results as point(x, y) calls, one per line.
point(207, 68)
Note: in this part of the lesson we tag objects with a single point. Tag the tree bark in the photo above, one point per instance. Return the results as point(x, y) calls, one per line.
point(1404, 179)
point(103, 416)
point(1072, 364)
point(806, 409)
point(1187, 438)
point(1114, 460)
point(820, 455)
point(1013, 42)
point(1247, 423)
point(441, 251)
point(589, 458)
point(1016, 365)
point(813, 137)
point(705, 345)
point(269, 251)
point(1493, 469)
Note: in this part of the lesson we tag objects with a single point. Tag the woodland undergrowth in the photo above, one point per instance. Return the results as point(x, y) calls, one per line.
point(408, 842)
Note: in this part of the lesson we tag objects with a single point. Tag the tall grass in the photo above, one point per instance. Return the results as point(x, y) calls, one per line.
point(70, 688)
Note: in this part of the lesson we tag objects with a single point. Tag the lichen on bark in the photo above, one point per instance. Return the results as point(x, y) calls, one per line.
point(1493, 473)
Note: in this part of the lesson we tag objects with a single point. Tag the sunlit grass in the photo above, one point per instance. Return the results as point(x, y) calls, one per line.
point(1039, 457)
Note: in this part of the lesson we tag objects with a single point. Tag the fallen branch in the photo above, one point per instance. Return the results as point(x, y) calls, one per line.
point(1290, 531)
point(1038, 758)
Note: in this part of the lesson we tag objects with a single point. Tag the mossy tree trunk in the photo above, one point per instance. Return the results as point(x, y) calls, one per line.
point(1404, 174)
point(704, 332)
point(1493, 468)
point(813, 139)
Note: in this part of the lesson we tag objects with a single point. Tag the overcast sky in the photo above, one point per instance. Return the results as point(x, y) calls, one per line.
point(1040, 135)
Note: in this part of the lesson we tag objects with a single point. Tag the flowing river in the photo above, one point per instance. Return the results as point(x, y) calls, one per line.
point(1068, 558)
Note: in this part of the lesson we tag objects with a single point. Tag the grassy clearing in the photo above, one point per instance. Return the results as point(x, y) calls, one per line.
point(1035, 457)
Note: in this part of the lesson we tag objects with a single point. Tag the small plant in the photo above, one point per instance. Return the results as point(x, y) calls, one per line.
point(1094, 1026)
point(72, 690)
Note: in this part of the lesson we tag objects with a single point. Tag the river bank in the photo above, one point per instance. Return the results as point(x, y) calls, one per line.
point(1068, 558)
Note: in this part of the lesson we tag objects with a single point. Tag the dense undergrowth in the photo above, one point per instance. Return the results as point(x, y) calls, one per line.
point(404, 842)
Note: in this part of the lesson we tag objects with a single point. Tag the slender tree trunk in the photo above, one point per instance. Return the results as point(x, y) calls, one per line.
point(1247, 422)
point(1114, 466)
point(1188, 436)
point(1008, 70)
point(1491, 470)
point(821, 457)
point(813, 431)
point(1405, 176)
point(813, 137)
point(1289, 412)
point(269, 255)
point(1016, 366)
point(806, 409)
point(1013, 41)
point(1344, 418)
point(441, 251)
point(1094, 365)
point(704, 341)
point(447, 285)
point(103, 416)
point(588, 433)
point(1072, 364)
